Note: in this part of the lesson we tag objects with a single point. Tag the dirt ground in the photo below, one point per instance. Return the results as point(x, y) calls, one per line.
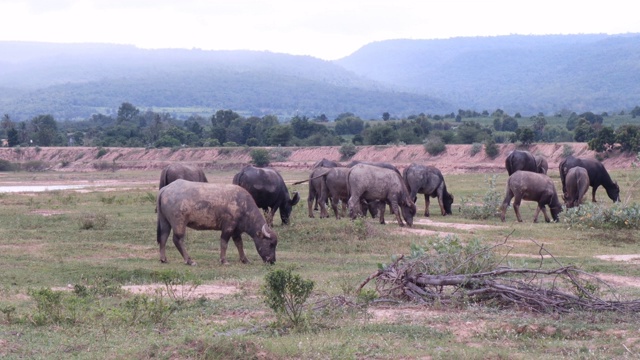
point(456, 159)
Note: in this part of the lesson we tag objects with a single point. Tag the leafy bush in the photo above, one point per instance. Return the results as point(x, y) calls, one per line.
point(490, 148)
point(491, 202)
point(286, 293)
point(434, 145)
point(93, 221)
point(347, 151)
point(55, 307)
point(594, 215)
point(101, 152)
point(260, 157)
point(567, 150)
point(475, 148)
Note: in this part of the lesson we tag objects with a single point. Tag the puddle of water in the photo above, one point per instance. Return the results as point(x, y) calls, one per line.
point(38, 188)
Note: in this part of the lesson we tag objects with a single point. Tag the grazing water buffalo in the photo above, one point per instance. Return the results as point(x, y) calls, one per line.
point(335, 188)
point(203, 206)
point(427, 180)
point(526, 185)
point(315, 189)
point(268, 189)
point(577, 184)
point(373, 183)
point(598, 175)
point(542, 166)
point(520, 160)
point(174, 172)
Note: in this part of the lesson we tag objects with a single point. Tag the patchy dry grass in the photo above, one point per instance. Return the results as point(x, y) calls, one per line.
point(42, 246)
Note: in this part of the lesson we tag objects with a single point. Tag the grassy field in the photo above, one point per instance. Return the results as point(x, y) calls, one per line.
point(94, 243)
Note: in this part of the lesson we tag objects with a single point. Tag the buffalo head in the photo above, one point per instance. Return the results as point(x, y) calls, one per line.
point(266, 241)
point(614, 192)
point(287, 207)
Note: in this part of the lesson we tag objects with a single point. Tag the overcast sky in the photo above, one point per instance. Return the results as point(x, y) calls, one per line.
point(326, 29)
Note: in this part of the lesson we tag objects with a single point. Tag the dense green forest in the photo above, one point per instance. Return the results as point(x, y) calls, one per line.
point(132, 127)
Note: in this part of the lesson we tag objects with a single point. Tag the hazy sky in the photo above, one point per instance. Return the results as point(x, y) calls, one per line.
point(326, 29)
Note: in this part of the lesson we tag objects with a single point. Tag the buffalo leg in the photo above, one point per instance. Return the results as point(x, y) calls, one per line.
point(593, 194)
point(505, 204)
point(441, 203)
point(427, 202)
point(178, 241)
point(381, 210)
point(396, 212)
point(237, 239)
point(516, 208)
point(310, 205)
point(224, 242)
point(162, 234)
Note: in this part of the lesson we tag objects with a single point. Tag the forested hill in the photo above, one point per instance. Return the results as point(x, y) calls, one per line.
point(526, 74)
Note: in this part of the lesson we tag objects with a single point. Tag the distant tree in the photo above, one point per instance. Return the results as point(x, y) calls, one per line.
point(584, 131)
point(517, 115)
point(280, 135)
point(223, 118)
point(458, 118)
point(44, 130)
point(380, 135)
point(434, 145)
point(628, 136)
point(603, 138)
point(127, 113)
point(322, 118)
point(6, 123)
point(344, 115)
point(592, 118)
point(13, 138)
point(572, 121)
point(470, 132)
point(491, 148)
point(635, 112)
point(350, 125)
point(498, 113)
point(497, 124)
point(509, 123)
point(386, 116)
point(525, 135)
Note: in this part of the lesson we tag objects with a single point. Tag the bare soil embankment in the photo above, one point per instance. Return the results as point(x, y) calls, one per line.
point(456, 158)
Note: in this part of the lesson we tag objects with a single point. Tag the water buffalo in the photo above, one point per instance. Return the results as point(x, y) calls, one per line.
point(520, 160)
point(577, 184)
point(526, 185)
point(268, 189)
point(427, 180)
point(335, 188)
point(174, 172)
point(203, 206)
point(315, 189)
point(598, 175)
point(326, 163)
point(375, 183)
point(542, 166)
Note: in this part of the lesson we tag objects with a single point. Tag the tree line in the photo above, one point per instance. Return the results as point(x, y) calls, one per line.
point(132, 127)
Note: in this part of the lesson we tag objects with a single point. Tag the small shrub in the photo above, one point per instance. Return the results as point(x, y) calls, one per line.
point(491, 202)
point(260, 157)
point(230, 144)
point(347, 151)
point(476, 148)
point(594, 215)
point(93, 222)
point(55, 307)
point(144, 309)
point(101, 152)
point(434, 145)
point(490, 148)
point(567, 150)
point(286, 293)
point(178, 286)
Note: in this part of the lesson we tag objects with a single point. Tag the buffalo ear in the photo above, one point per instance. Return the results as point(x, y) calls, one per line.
point(265, 231)
point(295, 199)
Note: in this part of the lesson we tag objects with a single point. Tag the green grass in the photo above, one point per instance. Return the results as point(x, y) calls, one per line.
point(42, 245)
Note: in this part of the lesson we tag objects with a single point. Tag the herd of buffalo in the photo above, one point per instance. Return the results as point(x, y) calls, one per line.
point(187, 200)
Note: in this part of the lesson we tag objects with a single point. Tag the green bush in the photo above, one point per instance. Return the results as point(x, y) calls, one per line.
point(347, 151)
point(491, 202)
point(286, 293)
point(490, 148)
point(594, 215)
point(567, 150)
point(475, 148)
point(434, 145)
point(101, 152)
point(260, 157)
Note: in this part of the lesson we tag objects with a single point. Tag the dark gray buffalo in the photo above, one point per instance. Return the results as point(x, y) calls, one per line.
point(577, 184)
point(428, 180)
point(542, 166)
point(373, 183)
point(598, 175)
point(520, 160)
point(269, 191)
point(174, 172)
point(335, 188)
point(530, 186)
point(315, 190)
point(202, 206)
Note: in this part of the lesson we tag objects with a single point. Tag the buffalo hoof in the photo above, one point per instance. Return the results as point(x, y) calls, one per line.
point(191, 263)
point(224, 262)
